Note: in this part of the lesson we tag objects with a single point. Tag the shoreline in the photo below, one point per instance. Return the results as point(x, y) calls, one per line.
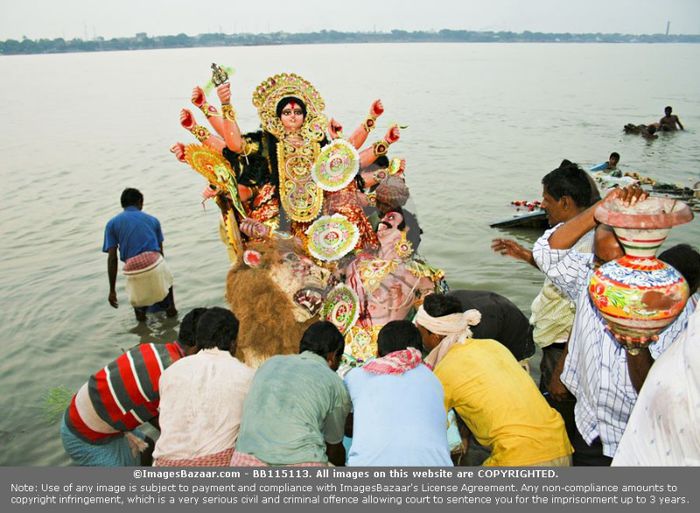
point(142, 41)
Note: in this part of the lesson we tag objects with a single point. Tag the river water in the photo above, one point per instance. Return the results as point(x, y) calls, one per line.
point(486, 122)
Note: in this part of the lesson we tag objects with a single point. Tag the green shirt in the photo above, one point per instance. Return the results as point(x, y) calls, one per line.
point(296, 404)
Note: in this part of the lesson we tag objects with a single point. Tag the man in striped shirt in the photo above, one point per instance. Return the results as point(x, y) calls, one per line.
point(99, 426)
point(603, 377)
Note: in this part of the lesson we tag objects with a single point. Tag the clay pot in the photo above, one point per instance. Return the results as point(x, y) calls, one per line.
point(638, 295)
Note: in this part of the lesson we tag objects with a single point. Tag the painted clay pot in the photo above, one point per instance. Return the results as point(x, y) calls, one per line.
point(638, 295)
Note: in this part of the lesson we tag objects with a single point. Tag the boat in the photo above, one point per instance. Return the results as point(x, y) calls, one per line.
point(535, 219)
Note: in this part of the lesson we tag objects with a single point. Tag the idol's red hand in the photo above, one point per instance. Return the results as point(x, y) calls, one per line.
point(393, 134)
point(377, 109)
point(198, 97)
point(186, 119)
point(179, 150)
point(224, 93)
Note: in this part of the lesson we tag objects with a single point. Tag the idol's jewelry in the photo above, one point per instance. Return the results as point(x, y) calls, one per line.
point(201, 133)
point(370, 123)
point(380, 148)
point(403, 247)
point(209, 110)
point(228, 112)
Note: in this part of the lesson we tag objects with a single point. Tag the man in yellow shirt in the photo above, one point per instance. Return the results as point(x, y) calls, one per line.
point(497, 400)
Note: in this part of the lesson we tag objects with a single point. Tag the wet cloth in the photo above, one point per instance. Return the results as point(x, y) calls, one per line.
point(148, 279)
point(134, 232)
point(595, 370)
point(663, 427)
point(295, 406)
point(501, 405)
point(399, 418)
point(115, 452)
point(122, 395)
point(201, 402)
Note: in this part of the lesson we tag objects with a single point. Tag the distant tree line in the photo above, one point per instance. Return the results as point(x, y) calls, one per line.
point(143, 42)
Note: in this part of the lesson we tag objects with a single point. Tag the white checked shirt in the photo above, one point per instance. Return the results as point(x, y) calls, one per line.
point(596, 366)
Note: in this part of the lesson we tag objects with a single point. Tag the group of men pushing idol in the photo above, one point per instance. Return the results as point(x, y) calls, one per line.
point(346, 273)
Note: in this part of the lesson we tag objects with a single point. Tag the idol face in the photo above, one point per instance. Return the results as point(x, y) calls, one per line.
point(292, 116)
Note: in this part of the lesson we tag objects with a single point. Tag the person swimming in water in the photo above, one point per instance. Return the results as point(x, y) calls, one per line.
point(670, 122)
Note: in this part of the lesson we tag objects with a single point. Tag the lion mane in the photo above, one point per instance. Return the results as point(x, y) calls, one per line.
point(265, 313)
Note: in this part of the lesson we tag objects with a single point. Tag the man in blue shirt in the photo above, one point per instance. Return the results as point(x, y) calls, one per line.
point(140, 241)
point(399, 413)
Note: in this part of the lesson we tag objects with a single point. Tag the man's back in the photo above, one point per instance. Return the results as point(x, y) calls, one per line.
point(295, 406)
point(201, 405)
point(134, 232)
point(122, 395)
point(501, 404)
point(398, 419)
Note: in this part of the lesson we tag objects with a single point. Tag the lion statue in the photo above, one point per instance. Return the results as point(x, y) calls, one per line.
point(276, 292)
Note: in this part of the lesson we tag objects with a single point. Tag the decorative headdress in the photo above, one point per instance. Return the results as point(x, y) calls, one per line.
point(268, 94)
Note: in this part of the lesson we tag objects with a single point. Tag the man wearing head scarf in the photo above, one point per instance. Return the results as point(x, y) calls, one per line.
point(489, 391)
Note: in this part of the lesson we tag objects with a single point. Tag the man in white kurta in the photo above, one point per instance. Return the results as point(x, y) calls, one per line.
point(201, 402)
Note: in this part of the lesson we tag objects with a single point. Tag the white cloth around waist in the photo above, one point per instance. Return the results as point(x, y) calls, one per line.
point(150, 285)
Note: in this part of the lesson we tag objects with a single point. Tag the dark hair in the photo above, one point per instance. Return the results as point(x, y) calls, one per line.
point(217, 327)
point(398, 335)
point(668, 108)
point(131, 197)
point(439, 305)
point(686, 260)
point(414, 229)
point(322, 338)
point(569, 180)
point(287, 100)
point(188, 327)
point(615, 155)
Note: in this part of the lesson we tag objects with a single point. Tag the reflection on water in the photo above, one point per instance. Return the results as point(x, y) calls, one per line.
point(486, 122)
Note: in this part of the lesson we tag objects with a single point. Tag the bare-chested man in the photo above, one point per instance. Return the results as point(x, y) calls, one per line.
point(670, 121)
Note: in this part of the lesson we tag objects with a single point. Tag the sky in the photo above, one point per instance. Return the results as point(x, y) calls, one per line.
point(86, 19)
